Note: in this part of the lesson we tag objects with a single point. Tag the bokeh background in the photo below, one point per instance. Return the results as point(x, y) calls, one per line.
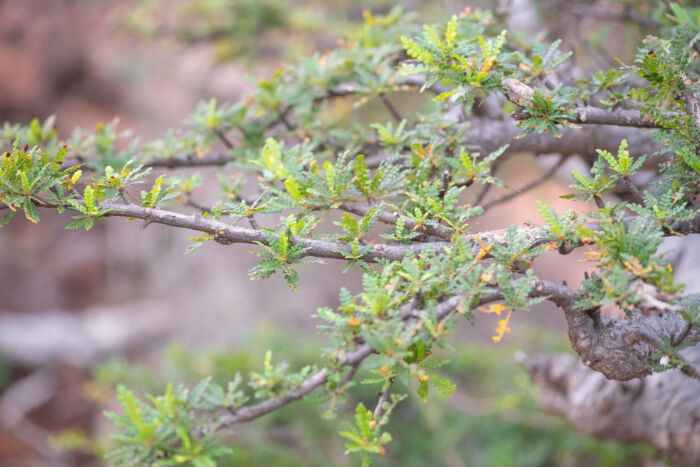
point(83, 311)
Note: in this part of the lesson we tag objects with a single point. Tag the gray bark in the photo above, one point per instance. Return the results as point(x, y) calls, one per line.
point(489, 135)
point(662, 410)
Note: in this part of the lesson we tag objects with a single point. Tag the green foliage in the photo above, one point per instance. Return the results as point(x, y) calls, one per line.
point(231, 25)
point(607, 88)
point(505, 427)
point(668, 358)
point(275, 381)
point(161, 432)
point(365, 435)
point(279, 254)
point(210, 119)
point(666, 64)
point(592, 188)
point(428, 377)
point(547, 111)
point(542, 59)
point(560, 226)
point(665, 209)
point(690, 309)
point(159, 193)
point(116, 183)
point(622, 166)
point(305, 139)
point(475, 64)
point(388, 135)
point(89, 211)
point(27, 173)
point(626, 252)
point(460, 55)
point(517, 251)
point(104, 145)
point(685, 15)
point(470, 168)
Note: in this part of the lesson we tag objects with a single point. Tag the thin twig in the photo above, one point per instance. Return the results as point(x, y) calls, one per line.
point(392, 110)
point(487, 187)
point(384, 397)
point(208, 159)
point(482, 194)
point(253, 223)
point(599, 201)
point(193, 204)
point(351, 374)
point(586, 115)
point(532, 185)
point(224, 139)
point(658, 343)
point(683, 334)
point(634, 191)
point(439, 231)
point(122, 195)
point(281, 118)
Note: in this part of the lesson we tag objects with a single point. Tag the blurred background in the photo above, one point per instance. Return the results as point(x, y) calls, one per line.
point(82, 311)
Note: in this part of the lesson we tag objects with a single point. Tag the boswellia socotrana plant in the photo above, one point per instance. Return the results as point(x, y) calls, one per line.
point(398, 190)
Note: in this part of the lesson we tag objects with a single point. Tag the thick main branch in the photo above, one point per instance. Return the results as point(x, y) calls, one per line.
point(662, 410)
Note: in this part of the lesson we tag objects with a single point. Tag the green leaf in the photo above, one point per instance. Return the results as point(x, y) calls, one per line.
point(30, 211)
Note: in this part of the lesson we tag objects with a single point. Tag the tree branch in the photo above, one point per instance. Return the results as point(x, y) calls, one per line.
point(660, 410)
point(352, 359)
point(232, 234)
point(227, 234)
point(488, 135)
point(618, 117)
point(207, 160)
point(251, 412)
point(613, 346)
point(520, 93)
point(389, 218)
